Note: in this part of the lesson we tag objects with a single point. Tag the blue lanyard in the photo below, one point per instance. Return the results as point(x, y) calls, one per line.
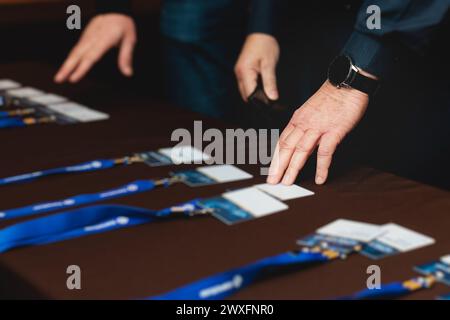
point(393, 289)
point(15, 122)
point(16, 112)
point(4, 114)
point(12, 122)
point(85, 221)
point(223, 285)
point(82, 167)
point(129, 189)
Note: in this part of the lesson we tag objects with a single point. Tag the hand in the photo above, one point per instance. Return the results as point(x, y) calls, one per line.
point(101, 34)
point(324, 120)
point(259, 56)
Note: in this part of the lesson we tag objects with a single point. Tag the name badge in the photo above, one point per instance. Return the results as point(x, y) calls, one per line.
point(242, 205)
point(440, 269)
point(395, 239)
point(209, 175)
point(175, 155)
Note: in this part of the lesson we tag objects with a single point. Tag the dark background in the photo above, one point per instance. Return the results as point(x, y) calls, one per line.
point(406, 128)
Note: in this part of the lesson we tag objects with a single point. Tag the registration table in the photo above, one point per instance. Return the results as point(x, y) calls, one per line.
point(151, 259)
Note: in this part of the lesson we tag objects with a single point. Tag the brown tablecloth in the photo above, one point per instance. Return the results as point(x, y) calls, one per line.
point(151, 259)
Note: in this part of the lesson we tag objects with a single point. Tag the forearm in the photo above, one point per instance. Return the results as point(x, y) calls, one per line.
point(408, 22)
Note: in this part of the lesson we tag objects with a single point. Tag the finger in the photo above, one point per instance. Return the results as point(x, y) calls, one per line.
point(71, 62)
point(274, 164)
point(238, 71)
point(327, 147)
point(126, 55)
point(283, 154)
point(270, 81)
point(88, 60)
point(303, 150)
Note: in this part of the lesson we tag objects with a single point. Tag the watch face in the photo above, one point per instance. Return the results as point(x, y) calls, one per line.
point(339, 70)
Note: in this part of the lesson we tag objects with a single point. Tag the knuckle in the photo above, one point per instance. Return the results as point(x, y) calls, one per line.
point(284, 145)
point(267, 64)
point(302, 148)
point(90, 58)
point(240, 72)
point(325, 151)
point(292, 172)
point(296, 114)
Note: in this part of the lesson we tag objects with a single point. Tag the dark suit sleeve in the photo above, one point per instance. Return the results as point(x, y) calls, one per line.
point(111, 6)
point(262, 16)
point(409, 22)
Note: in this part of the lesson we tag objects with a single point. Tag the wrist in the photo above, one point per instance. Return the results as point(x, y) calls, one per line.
point(343, 73)
point(343, 93)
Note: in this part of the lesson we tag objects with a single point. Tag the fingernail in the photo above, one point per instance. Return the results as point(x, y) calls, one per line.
point(272, 171)
point(128, 71)
point(271, 180)
point(320, 180)
point(287, 180)
point(273, 95)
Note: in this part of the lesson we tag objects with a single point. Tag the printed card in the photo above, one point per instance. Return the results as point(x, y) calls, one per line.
point(360, 231)
point(446, 259)
point(78, 112)
point(47, 99)
point(395, 239)
point(242, 205)
point(175, 155)
point(25, 92)
point(209, 175)
point(184, 154)
point(7, 84)
point(254, 201)
point(155, 159)
point(440, 269)
point(224, 173)
point(283, 192)
point(194, 178)
point(339, 244)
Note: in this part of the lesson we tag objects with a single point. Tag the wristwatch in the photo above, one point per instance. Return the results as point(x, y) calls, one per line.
point(342, 73)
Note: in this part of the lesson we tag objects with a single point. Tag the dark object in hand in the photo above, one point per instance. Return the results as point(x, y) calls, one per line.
point(259, 99)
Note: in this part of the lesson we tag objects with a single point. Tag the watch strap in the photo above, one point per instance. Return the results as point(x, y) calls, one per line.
point(365, 84)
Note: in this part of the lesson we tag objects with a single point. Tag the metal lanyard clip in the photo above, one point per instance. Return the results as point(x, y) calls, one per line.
point(129, 160)
point(30, 121)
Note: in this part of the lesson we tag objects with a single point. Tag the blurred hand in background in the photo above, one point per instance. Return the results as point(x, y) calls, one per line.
point(101, 34)
point(259, 57)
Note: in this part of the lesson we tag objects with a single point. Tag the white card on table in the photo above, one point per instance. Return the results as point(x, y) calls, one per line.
point(255, 201)
point(283, 192)
point(78, 112)
point(446, 259)
point(224, 173)
point(184, 154)
point(354, 230)
point(7, 84)
point(403, 239)
point(25, 92)
point(48, 99)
